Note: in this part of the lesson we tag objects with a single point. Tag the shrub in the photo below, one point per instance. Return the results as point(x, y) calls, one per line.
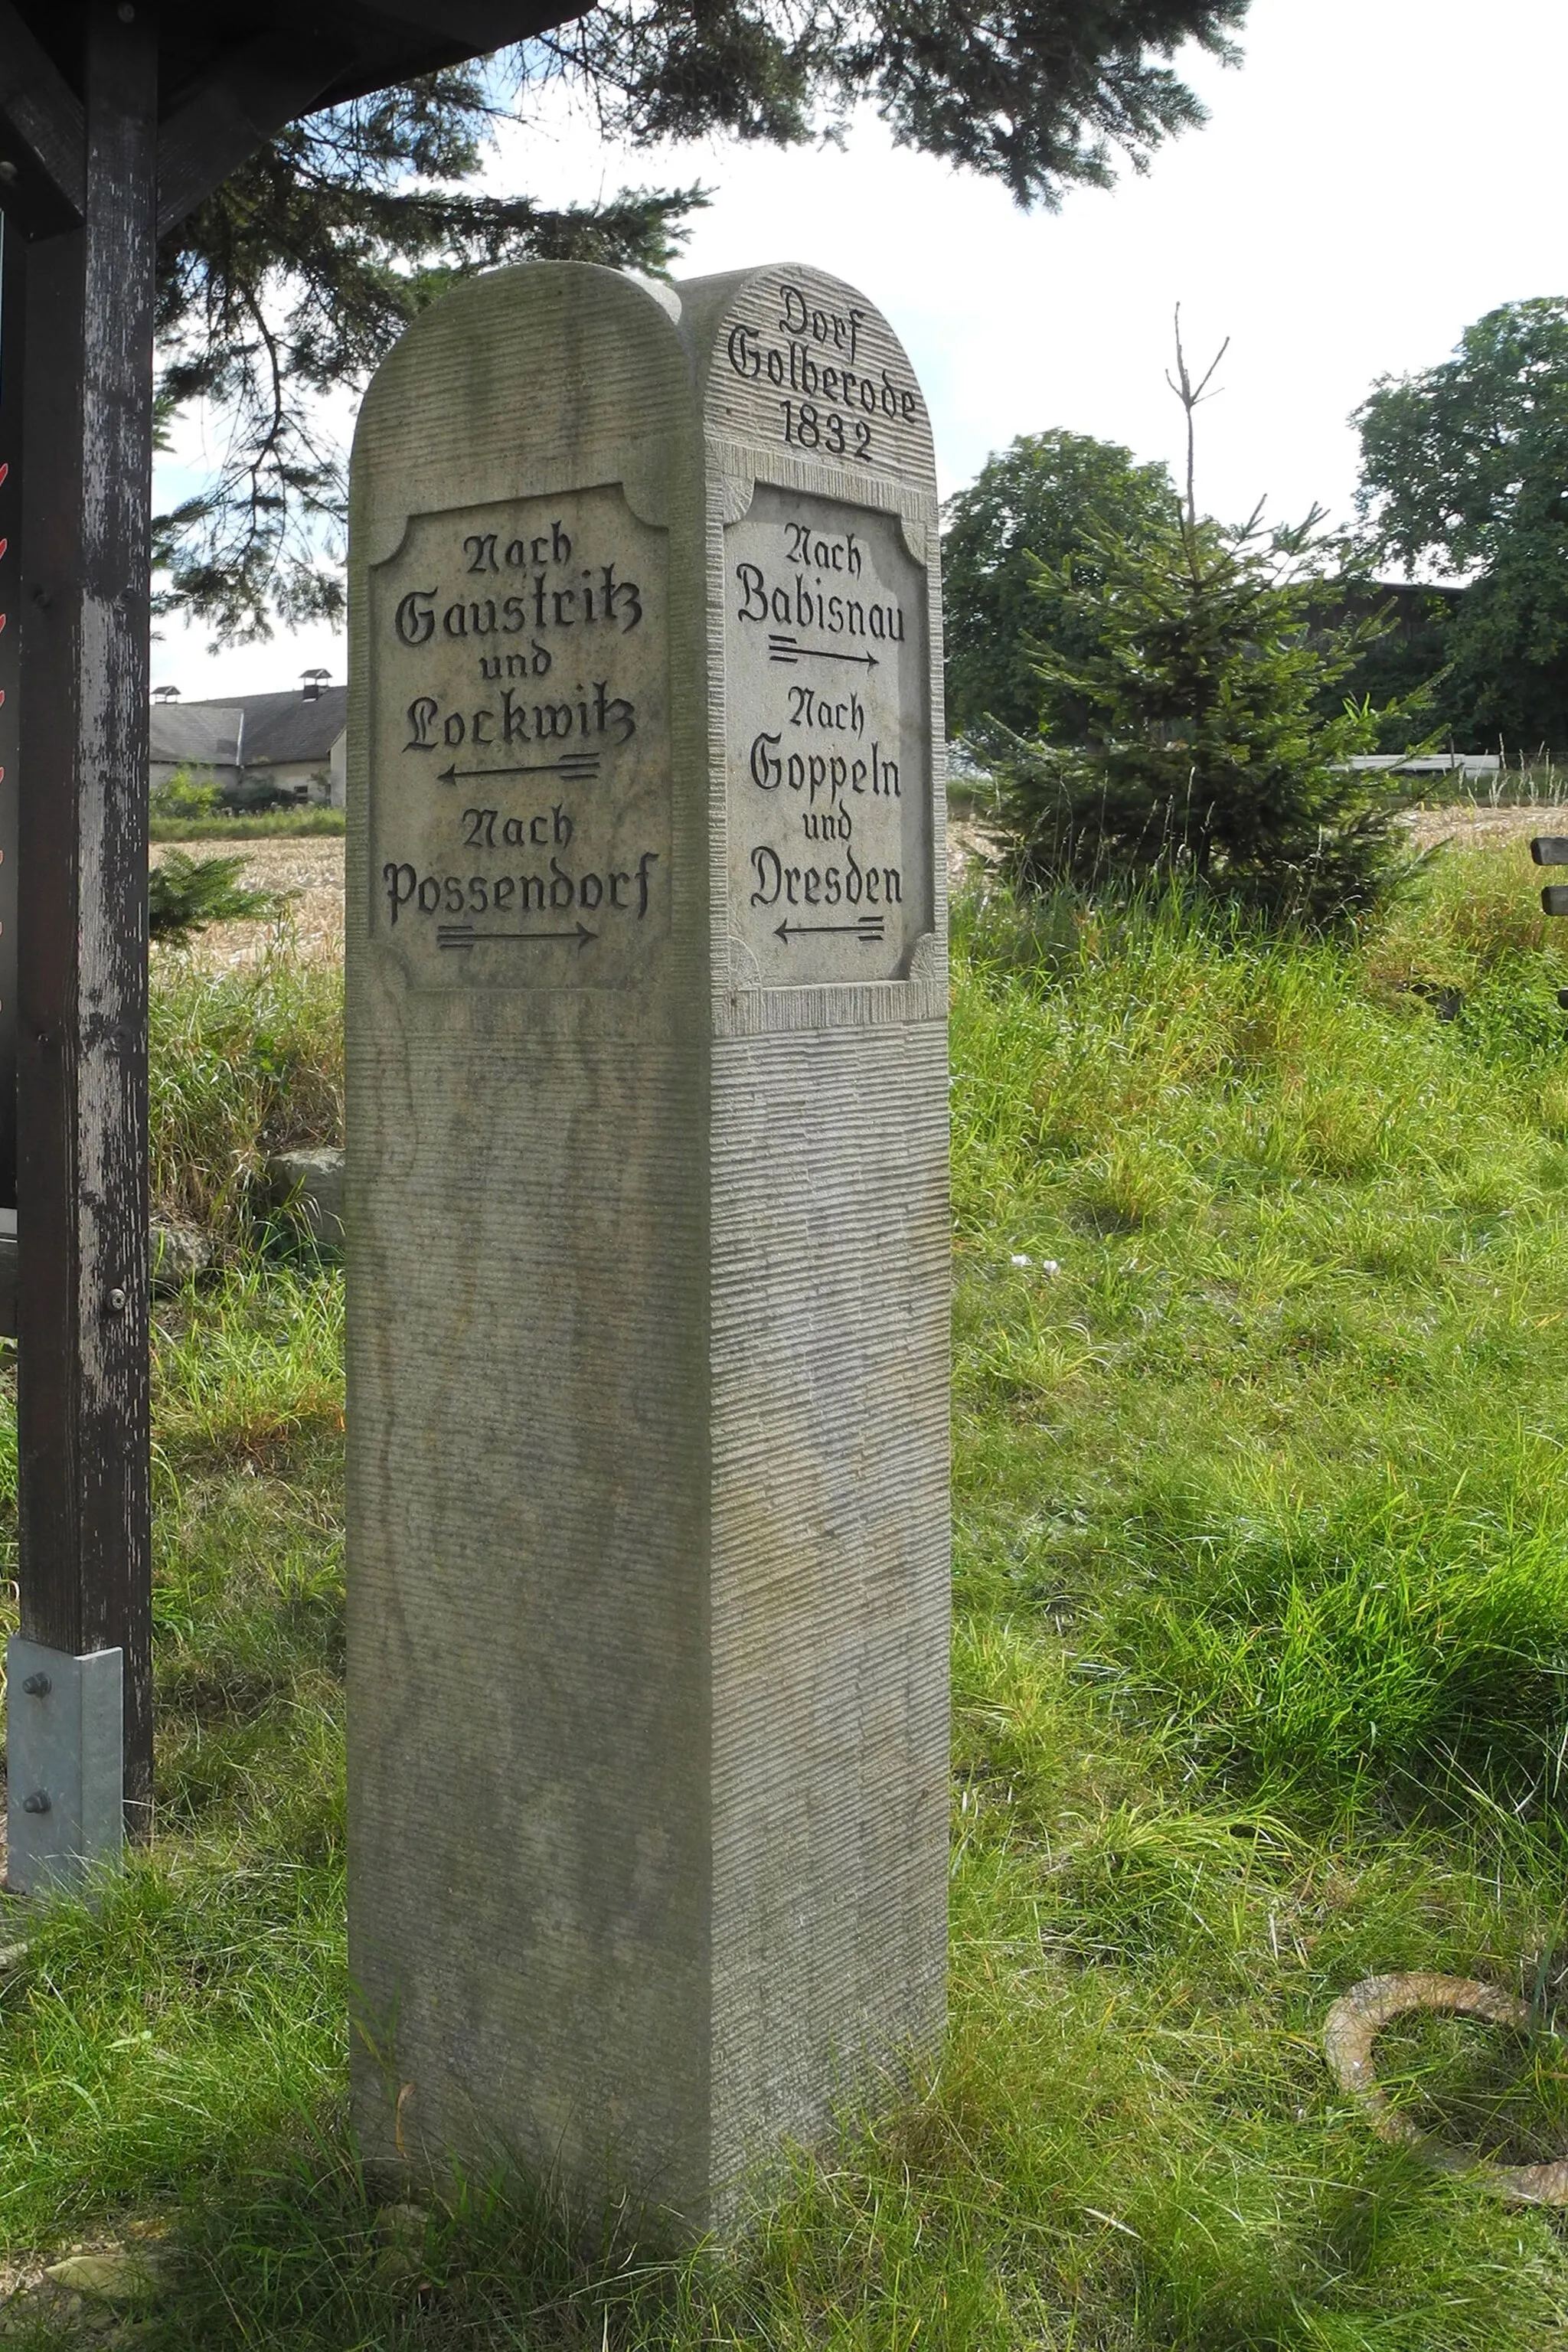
point(183, 794)
point(1207, 761)
point(185, 894)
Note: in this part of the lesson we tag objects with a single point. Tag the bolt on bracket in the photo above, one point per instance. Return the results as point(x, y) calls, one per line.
point(66, 1774)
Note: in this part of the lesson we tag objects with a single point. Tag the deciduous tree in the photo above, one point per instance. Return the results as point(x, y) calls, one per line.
point(1465, 473)
point(1035, 503)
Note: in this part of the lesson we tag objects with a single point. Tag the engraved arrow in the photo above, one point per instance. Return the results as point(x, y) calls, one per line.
point(464, 935)
point(577, 765)
point(790, 649)
point(868, 929)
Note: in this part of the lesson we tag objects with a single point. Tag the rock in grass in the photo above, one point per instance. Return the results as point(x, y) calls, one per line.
point(399, 2231)
point(401, 2225)
point(178, 1253)
point(113, 2274)
point(309, 1186)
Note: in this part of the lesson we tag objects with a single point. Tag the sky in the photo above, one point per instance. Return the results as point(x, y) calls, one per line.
point(1375, 175)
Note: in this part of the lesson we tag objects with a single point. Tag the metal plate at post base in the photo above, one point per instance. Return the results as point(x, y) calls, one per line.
point(65, 1768)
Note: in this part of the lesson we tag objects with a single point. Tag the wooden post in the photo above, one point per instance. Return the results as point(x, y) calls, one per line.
point(82, 992)
point(12, 297)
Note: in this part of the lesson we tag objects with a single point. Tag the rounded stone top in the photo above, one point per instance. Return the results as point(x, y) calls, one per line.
point(521, 378)
point(516, 381)
point(799, 362)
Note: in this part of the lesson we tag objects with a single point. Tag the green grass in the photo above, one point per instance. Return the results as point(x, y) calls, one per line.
point(262, 824)
point(1261, 1680)
point(244, 1063)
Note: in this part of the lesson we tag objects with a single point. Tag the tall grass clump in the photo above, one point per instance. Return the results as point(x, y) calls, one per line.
point(244, 1063)
point(1391, 1641)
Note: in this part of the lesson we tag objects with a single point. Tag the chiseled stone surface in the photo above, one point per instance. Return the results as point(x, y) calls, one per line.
point(647, 1404)
point(308, 1185)
point(179, 1254)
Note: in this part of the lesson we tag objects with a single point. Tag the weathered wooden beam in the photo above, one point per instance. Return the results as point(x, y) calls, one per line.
point(299, 62)
point(13, 300)
point(253, 94)
point(82, 1046)
point(13, 307)
point(42, 133)
point(487, 23)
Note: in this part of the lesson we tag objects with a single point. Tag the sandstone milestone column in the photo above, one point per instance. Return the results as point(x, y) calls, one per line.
point(648, 1232)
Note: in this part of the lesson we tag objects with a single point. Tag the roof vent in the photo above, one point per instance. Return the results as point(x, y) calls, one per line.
point(165, 694)
point(314, 681)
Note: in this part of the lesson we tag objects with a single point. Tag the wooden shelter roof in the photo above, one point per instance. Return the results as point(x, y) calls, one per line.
point(230, 74)
point(378, 41)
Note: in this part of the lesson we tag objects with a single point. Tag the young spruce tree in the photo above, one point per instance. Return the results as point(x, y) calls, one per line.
point(1207, 761)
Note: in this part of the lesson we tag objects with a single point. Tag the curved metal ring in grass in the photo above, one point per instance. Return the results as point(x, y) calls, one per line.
point(1353, 2024)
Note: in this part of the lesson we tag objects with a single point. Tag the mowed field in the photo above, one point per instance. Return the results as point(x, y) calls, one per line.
point(305, 872)
point(1261, 1685)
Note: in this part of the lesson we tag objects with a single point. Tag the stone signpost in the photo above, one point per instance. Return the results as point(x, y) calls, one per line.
point(647, 1231)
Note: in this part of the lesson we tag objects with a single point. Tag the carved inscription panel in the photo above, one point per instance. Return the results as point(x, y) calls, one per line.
point(805, 366)
point(519, 751)
point(827, 688)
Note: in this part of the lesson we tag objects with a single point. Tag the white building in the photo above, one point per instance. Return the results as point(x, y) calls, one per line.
point(296, 742)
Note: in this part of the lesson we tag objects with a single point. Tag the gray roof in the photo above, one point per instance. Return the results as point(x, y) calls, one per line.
point(195, 734)
point(280, 727)
point(251, 731)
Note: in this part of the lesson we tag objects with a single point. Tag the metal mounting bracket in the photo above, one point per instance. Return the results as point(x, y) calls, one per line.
point(64, 1766)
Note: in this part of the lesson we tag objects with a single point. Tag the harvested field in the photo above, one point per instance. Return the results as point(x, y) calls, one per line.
point(309, 868)
point(1470, 826)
